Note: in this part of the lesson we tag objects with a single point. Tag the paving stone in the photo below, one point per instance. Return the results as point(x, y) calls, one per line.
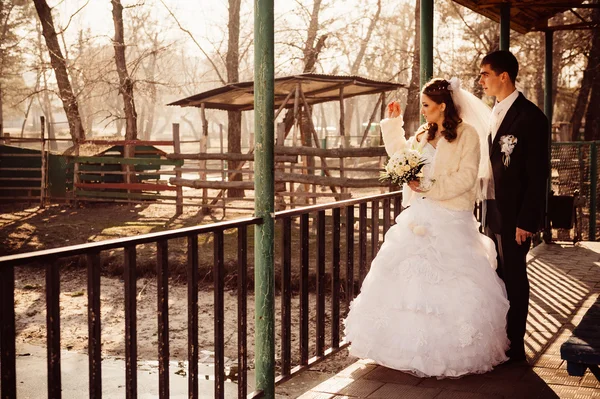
point(333, 385)
point(466, 395)
point(361, 388)
point(393, 391)
point(512, 372)
point(513, 390)
point(356, 370)
point(551, 376)
point(565, 392)
point(385, 374)
point(549, 361)
point(590, 381)
point(316, 395)
point(470, 383)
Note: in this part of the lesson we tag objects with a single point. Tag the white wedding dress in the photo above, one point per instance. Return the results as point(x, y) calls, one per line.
point(432, 303)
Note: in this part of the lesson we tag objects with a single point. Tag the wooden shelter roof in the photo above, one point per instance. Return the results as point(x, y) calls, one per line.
point(527, 15)
point(315, 87)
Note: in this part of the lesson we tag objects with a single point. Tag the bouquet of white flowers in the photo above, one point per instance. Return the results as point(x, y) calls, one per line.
point(403, 166)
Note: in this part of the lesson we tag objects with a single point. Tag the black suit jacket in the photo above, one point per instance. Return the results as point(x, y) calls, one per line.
point(520, 187)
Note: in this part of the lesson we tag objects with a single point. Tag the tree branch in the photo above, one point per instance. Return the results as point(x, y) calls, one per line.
point(195, 42)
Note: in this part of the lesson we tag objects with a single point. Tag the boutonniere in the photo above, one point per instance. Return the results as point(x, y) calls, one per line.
point(507, 145)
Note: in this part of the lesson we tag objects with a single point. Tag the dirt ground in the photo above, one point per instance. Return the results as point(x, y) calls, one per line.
point(28, 228)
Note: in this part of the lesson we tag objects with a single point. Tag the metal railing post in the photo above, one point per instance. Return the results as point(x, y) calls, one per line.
point(593, 189)
point(264, 189)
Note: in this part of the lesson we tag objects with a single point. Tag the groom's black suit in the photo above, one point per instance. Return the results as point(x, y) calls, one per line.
point(520, 192)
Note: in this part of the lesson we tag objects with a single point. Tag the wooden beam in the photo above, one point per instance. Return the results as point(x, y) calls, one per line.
point(332, 152)
point(126, 186)
point(230, 157)
point(126, 142)
point(283, 104)
point(329, 181)
point(577, 26)
point(520, 4)
point(205, 184)
point(128, 161)
point(366, 132)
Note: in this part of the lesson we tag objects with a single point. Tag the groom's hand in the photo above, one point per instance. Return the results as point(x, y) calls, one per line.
point(522, 236)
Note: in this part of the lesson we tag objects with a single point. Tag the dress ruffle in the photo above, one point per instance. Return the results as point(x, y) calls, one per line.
point(432, 303)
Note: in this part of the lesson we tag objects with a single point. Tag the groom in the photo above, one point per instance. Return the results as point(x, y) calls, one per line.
point(518, 144)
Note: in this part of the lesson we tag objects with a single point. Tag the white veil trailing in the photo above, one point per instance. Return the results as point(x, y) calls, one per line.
point(477, 114)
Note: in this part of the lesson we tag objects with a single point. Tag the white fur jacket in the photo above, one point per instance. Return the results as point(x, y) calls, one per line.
point(455, 168)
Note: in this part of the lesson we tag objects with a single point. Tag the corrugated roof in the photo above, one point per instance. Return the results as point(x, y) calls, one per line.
point(317, 88)
point(525, 16)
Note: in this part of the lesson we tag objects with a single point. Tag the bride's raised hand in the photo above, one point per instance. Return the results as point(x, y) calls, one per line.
point(415, 185)
point(394, 109)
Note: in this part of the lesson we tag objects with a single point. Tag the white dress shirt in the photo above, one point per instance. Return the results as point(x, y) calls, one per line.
point(499, 112)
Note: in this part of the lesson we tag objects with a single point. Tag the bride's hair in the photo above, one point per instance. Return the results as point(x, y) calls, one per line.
point(438, 90)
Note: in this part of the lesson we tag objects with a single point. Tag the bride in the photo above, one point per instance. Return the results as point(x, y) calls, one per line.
point(432, 303)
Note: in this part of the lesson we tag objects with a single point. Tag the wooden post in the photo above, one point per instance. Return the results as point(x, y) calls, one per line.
point(43, 184)
point(223, 173)
point(548, 110)
point(179, 191)
point(382, 116)
point(75, 174)
point(295, 128)
point(203, 164)
point(280, 167)
point(342, 117)
point(343, 142)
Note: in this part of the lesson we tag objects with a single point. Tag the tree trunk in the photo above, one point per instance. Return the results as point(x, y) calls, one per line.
point(125, 81)
point(234, 118)
point(310, 50)
point(1, 113)
point(581, 103)
point(60, 70)
point(411, 113)
point(352, 103)
point(592, 116)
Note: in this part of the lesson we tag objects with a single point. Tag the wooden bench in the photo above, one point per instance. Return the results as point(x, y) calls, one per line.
point(582, 349)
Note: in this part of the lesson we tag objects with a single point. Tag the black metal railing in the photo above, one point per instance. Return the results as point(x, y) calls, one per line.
point(339, 290)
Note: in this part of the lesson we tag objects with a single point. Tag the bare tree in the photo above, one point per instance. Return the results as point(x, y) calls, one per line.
point(234, 118)
point(125, 81)
point(312, 49)
point(581, 104)
point(60, 70)
point(355, 68)
point(592, 116)
point(411, 114)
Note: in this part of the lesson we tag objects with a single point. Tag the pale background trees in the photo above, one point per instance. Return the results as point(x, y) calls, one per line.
point(70, 66)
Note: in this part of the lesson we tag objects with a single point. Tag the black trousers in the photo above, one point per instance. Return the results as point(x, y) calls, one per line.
point(512, 269)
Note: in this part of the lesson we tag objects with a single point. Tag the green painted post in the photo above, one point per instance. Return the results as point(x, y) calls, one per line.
point(264, 205)
point(505, 26)
point(593, 189)
point(426, 41)
point(548, 107)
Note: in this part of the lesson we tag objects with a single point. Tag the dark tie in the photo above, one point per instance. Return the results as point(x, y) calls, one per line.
point(490, 142)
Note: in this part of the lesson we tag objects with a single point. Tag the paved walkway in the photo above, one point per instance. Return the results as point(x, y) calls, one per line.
point(565, 281)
